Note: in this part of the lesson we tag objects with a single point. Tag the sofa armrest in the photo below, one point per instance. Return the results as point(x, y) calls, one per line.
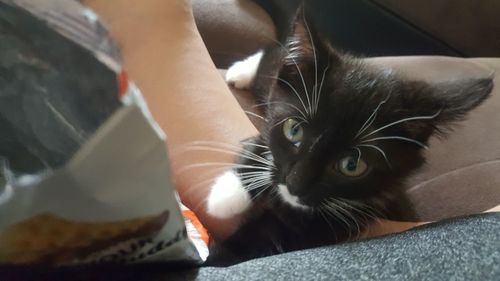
point(232, 29)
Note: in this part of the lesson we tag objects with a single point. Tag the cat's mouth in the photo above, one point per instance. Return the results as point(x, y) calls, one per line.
point(292, 200)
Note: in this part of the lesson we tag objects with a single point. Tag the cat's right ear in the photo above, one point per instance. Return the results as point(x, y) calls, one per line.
point(458, 97)
point(447, 102)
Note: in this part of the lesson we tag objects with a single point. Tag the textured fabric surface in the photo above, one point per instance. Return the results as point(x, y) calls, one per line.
point(459, 249)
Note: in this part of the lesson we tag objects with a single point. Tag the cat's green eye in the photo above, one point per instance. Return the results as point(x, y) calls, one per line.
point(352, 166)
point(293, 131)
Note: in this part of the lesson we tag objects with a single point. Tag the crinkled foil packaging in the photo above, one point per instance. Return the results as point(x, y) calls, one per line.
point(84, 173)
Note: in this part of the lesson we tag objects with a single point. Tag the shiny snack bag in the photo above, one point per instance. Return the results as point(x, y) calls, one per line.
point(84, 171)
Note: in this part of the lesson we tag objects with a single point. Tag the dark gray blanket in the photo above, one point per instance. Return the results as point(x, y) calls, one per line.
point(458, 249)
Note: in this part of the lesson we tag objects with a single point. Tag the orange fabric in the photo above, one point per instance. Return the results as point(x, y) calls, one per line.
point(190, 215)
point(123, 83)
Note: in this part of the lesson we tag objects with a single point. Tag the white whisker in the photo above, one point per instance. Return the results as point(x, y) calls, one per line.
point(402, 121)
point(397, 138)
point(285, 103)
point(230, 149)
point(359, 154)
point(209, 177)
point(363, 211)
point(315, 58)
point(321, 212)
point(286, 118)
point(348, 214)
point(243, 153)
point(369, 212)
point(294, 91)
point(223, 164)
point(256, 115)
point(295, 63)
point(262, 191)
point(253, 179)
point(331, 208)
point(371, 119)
point(255, 144)
point(379, 150)
point(244, 174)
point(257, 184)
point(321, 86)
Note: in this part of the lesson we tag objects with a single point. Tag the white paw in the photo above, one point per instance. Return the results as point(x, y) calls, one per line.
point(228, 197)
point(242, 73)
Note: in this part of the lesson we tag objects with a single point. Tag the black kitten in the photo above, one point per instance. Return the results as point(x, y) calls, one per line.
point(339, 140)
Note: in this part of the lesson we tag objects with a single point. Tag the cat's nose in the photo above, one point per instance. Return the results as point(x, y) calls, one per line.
point(295, 184)
point(301, 176)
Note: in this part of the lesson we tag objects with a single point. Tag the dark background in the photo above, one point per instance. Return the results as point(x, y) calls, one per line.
point(362, 27)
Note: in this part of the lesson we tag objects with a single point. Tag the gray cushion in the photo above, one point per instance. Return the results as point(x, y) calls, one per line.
point(460, 249)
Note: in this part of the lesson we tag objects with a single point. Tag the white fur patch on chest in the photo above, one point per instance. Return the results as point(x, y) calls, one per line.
point(289, 198)
point(242, 73)
point(228, 197)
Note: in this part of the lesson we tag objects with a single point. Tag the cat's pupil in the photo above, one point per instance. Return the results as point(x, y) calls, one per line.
point(295, 129)
point(352, 165)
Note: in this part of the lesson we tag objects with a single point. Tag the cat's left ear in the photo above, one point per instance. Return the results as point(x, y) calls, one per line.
point(443, 104)
point(305, 47)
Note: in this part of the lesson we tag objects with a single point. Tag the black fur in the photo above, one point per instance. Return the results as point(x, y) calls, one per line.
point(351, 92)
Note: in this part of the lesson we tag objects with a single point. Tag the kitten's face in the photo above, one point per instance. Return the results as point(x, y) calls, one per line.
point(341, 129)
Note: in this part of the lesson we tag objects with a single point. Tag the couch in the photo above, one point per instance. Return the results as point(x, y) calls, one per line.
point(462, 174)
point(461, 178)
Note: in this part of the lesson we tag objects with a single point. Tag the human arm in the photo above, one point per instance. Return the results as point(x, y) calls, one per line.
point(164, 54)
